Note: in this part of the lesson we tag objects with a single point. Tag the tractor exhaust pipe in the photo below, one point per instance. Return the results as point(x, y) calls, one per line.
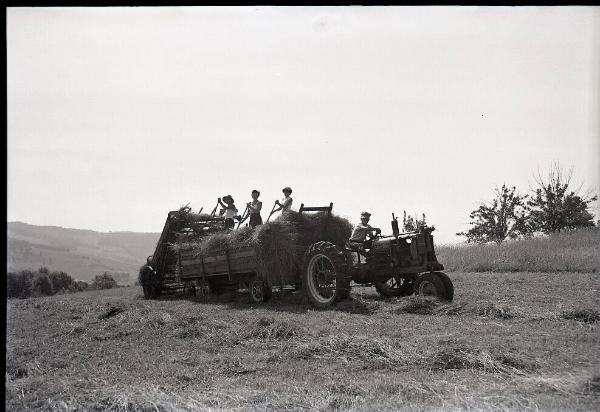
point(395, 229)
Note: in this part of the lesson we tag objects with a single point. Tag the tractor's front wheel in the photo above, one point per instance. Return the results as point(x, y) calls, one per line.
point(325, 278)
point(432, 285)
point(395, 286)
point(447, 284)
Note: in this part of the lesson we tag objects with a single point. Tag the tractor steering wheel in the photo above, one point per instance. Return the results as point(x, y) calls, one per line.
point(375, 235)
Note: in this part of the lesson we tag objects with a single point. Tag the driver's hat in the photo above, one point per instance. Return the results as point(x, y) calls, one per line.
point(365, 214)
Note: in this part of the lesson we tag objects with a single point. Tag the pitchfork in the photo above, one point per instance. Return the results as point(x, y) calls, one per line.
point(244, 216)
point(272, 211)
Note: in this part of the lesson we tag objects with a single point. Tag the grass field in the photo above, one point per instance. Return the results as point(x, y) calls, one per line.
point(509, 341)
point(570, 251)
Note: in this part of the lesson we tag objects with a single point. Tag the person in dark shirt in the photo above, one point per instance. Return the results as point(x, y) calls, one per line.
point(254, 208)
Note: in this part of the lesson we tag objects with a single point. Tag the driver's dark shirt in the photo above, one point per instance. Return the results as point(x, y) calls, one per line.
point(360, 232)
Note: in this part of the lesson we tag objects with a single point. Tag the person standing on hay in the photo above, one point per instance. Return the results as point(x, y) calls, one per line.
point(230, 211)
point(286, 203)
point(254, 208)
point(357, 241)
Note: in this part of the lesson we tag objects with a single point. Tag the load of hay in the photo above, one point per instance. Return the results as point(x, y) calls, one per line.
point(279, 245)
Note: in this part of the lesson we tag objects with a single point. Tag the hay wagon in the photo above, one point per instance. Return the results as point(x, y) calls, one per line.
point(293, 251)
point(205, 274)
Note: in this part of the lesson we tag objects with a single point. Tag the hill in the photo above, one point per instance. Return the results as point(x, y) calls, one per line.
point(81, 253)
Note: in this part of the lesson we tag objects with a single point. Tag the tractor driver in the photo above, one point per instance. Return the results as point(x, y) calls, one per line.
point(360, 232)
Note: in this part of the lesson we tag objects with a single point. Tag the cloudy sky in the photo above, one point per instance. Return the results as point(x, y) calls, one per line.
point(118, 115)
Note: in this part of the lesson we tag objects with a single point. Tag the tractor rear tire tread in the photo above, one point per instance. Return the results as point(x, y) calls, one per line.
point(343, 277)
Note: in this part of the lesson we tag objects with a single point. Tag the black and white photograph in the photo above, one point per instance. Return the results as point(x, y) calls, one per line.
point(303, 208)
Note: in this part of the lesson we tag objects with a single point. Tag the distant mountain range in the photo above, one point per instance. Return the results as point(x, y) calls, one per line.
point(83, 254)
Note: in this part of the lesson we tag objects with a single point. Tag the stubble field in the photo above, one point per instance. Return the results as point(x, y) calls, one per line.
point(509, 341)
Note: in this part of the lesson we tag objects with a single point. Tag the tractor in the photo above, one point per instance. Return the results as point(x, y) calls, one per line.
point(397, 265)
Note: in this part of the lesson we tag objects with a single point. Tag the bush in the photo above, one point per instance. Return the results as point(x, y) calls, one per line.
point(42, 286)
point(104, 281)
point(18, 285)
point(80, 286)
point(61, 281)
point(26, 283)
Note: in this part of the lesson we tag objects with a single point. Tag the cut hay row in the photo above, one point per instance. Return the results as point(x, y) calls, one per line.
point(279, 245)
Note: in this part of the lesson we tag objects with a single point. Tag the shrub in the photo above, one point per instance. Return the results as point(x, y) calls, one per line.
point(18, 285)
point(104, 281)
point(81, 285)
point(26, 283)
point(42, 286)
point(60, 281)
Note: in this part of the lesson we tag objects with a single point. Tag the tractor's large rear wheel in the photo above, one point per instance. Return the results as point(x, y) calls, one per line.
point(151, 283)
point(432, 285)
point(325, 277)
point(395, 286)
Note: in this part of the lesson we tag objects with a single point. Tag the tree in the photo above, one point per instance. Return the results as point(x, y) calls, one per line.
point(555, 207)
point(104, 281)
point(505, 217)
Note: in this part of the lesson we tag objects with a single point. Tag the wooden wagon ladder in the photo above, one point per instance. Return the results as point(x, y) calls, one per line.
point(319, 209)
point(316, 208)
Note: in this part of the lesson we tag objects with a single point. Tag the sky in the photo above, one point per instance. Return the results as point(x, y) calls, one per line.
point(118, 115)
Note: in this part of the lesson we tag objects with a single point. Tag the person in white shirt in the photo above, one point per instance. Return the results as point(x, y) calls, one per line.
point(360, 232)
point(286, 203)
point(229, 210)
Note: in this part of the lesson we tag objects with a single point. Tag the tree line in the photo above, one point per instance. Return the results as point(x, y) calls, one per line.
point(43, 282)
point(551, 206)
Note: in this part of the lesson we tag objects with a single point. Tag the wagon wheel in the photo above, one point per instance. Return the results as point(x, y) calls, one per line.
point(325, 278)
point(447, 284)
point(259, 291)
point(395, 286)
point(431, 285)
point(203, 289)
point(151, 284)
point(189, 289)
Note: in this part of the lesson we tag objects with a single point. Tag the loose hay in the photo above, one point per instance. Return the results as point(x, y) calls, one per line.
point(582, 315)
point(110, 312)
point(432, 306)
point(270, 328)
point(279, 244)
point(457, 356)
point(418, 305)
